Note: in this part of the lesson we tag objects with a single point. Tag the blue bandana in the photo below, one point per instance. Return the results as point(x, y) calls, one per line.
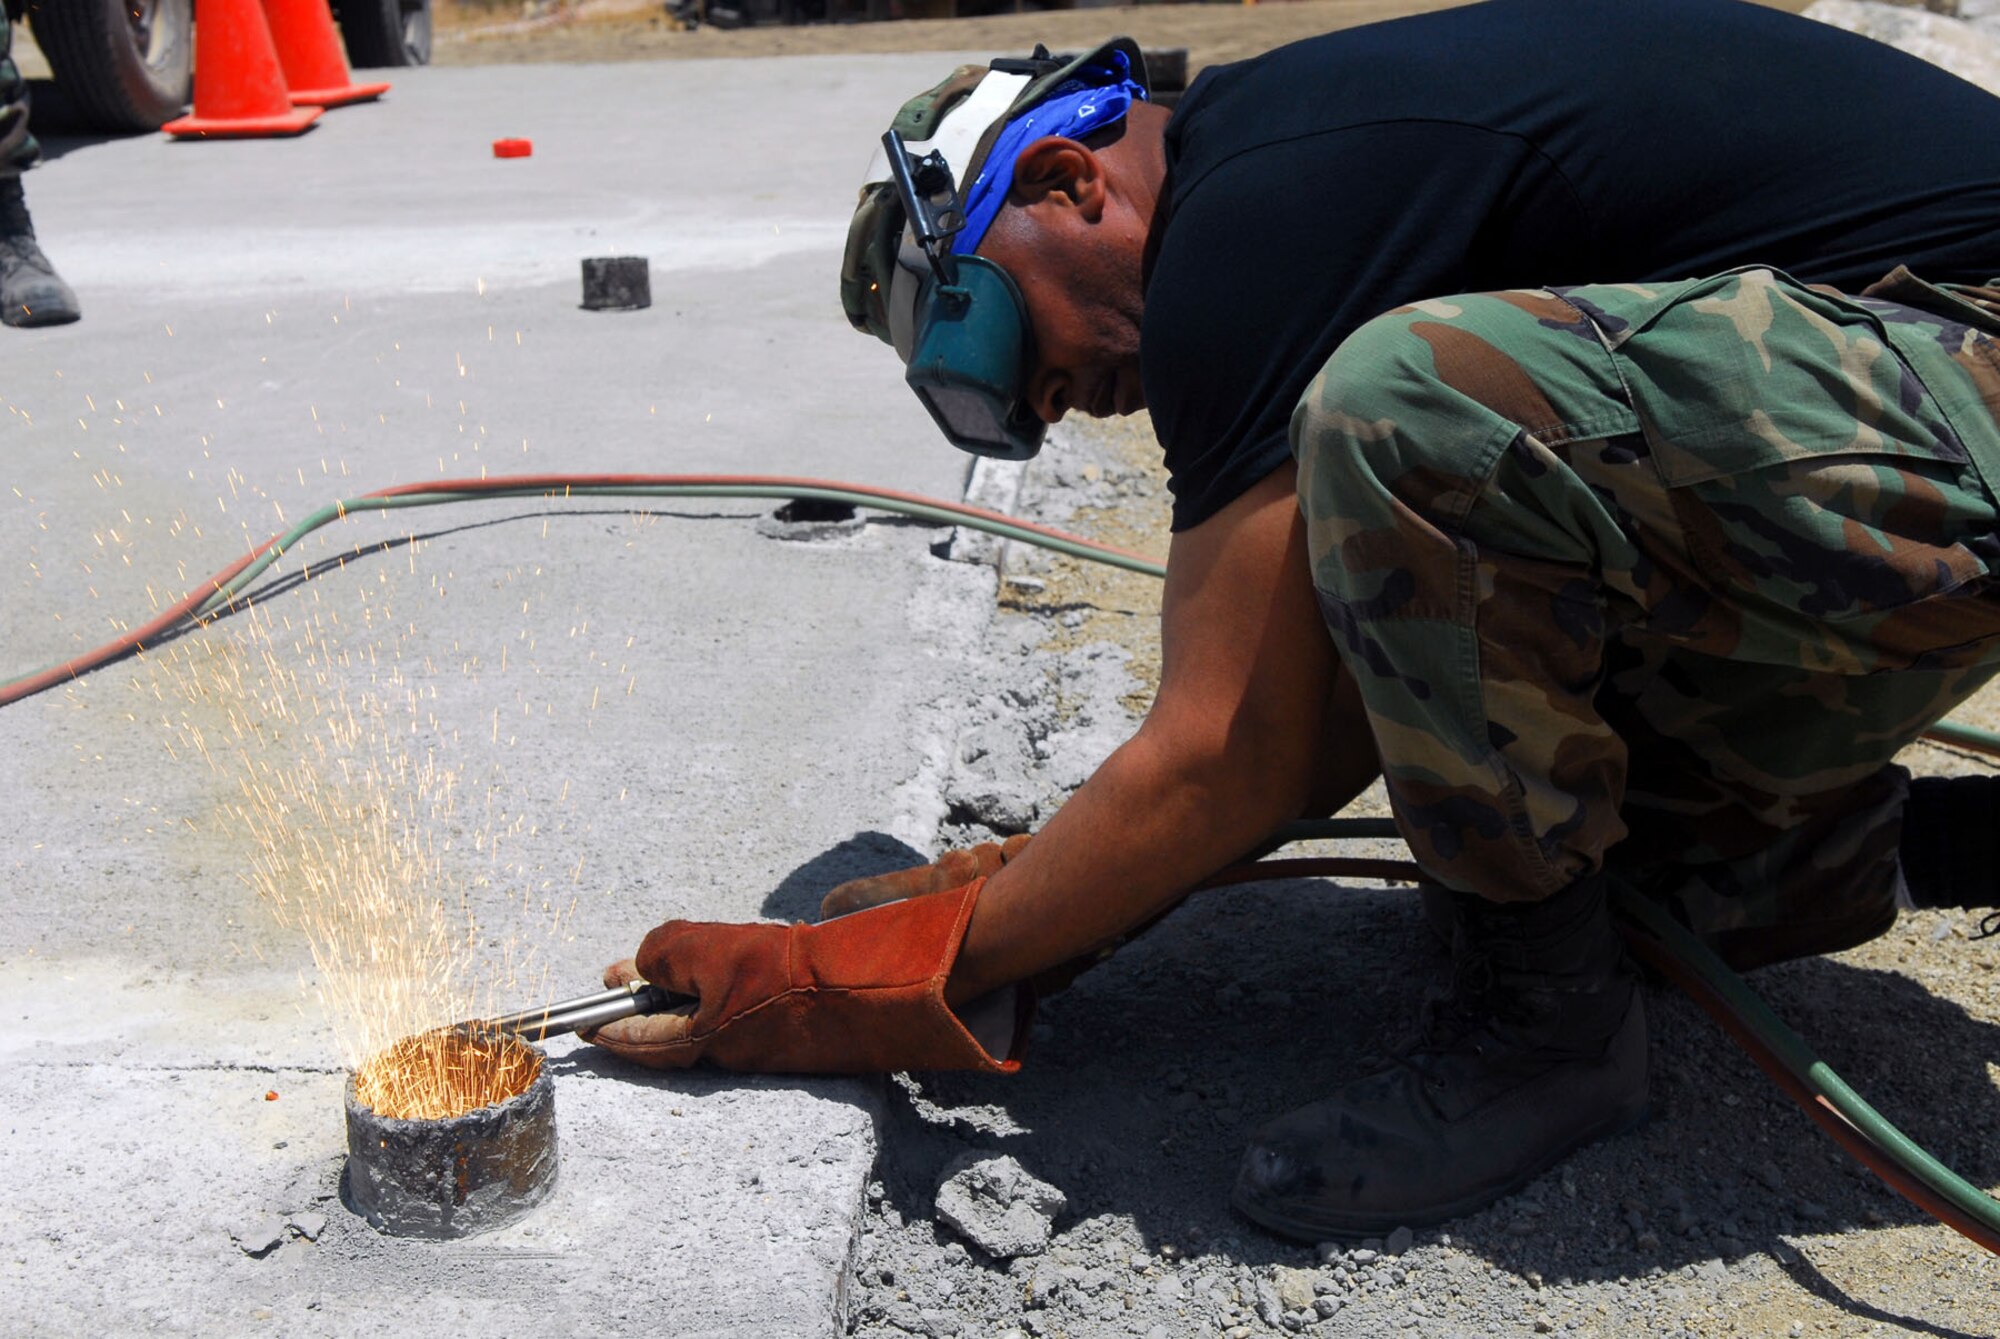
point(1094, 97)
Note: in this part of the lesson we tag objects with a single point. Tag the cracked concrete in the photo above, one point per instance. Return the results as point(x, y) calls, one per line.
point(668, 709)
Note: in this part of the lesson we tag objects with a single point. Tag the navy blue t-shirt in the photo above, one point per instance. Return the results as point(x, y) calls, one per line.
point(1523, 143)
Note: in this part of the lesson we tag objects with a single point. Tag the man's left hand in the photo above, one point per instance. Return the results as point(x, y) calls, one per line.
point(953, 869)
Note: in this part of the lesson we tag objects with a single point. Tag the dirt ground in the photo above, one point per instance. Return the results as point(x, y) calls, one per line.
point(474, 33)
point(1727, 1214)
point(1211, 33)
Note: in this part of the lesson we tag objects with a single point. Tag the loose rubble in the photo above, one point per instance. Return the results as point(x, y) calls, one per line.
point(307, 1225)
point(994, 1203)
point(259, 1235)
point(1726, 1215)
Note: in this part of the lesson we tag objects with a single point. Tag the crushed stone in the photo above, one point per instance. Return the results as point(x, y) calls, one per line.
point(1726, 1215)
point(998, 1205)
point(258, 1235)
point(307, 1225)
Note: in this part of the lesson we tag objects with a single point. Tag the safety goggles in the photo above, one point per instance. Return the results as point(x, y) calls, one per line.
point(958, 322)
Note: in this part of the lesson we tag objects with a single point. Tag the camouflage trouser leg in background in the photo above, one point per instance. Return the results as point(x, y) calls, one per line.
point(18, 150)
point(1688, 563)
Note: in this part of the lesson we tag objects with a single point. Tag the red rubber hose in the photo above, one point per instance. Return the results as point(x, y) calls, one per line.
point(553, 485)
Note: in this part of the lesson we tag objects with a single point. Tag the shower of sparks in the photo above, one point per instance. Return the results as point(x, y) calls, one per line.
point(361, 821)
point(342, 796)
point(444, 1073)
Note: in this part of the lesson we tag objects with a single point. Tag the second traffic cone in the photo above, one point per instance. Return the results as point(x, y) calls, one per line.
point(239, 90)
point(309, 49)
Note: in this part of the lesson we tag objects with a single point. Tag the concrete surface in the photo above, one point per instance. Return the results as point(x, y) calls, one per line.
point(674, 711)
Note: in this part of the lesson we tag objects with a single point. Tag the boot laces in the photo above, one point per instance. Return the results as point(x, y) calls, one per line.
point(15, 226)
point(18, 252)
point(1475, 1001)
point(1989, 926)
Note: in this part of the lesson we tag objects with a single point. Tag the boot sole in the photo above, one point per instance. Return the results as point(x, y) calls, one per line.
point(36, 319)
point(1334, 1227)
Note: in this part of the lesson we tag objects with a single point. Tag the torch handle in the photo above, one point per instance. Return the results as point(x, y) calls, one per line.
point(587, 1011)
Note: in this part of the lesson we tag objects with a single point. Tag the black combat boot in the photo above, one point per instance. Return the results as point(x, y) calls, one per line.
point(31, 292)
point(1539, 1048)
point(1950, 847)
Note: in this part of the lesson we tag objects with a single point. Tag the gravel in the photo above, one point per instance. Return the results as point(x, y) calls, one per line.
point(998, 1206)
point(259, 1234)
point(1726, 1214)
point(307, 1225)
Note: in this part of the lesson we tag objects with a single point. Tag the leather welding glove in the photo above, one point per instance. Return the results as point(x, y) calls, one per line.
point(950, 870)
point(860, 994)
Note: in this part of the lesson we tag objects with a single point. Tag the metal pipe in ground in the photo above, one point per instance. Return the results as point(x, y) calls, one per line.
point(458, 1175)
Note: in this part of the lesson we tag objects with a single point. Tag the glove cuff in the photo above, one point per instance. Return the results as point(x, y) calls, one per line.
point(868, 990)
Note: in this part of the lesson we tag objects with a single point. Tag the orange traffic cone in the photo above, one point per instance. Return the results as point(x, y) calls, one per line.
point(238, 88)
point(309, 49)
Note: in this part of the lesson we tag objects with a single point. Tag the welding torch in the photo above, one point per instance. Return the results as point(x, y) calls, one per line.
point(586, 1011)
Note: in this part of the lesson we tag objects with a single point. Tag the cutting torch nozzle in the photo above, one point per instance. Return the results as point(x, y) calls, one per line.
point(586, 1011)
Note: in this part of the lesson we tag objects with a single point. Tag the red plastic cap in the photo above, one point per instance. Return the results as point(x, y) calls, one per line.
point(513, 148)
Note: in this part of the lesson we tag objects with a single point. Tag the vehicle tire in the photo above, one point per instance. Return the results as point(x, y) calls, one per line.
point(385, 32)
point(123, 65)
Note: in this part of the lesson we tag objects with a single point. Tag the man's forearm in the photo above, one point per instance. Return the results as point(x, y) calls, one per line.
point(1145, 828)
point(1253, 723)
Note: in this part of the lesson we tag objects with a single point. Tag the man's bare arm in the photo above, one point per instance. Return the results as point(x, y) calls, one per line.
point(1254, 724)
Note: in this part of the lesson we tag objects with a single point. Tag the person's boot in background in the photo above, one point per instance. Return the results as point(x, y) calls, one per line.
point(31, 292)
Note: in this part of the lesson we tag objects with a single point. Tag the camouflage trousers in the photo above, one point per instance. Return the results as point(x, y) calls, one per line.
point(18, 150)
point(1659, 579)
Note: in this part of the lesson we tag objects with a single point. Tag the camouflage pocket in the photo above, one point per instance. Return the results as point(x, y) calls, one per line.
point(1809, 468)
point(1975, 305)
point(1751, 369)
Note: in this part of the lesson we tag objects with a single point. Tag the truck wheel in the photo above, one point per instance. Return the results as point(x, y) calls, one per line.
point(123, 64)
point(386, 32)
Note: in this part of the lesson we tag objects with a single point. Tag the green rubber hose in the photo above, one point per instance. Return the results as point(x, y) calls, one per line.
point(1801, 1061)
point(334, 511)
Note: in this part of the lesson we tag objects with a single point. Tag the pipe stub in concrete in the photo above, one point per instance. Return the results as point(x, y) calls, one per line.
point(616, 283)
point(453, 1177)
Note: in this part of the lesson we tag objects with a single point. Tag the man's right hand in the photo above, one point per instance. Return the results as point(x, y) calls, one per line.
point(947, 872)
point(953, 869)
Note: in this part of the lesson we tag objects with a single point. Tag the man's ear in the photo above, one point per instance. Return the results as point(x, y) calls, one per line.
point(1061, 172)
